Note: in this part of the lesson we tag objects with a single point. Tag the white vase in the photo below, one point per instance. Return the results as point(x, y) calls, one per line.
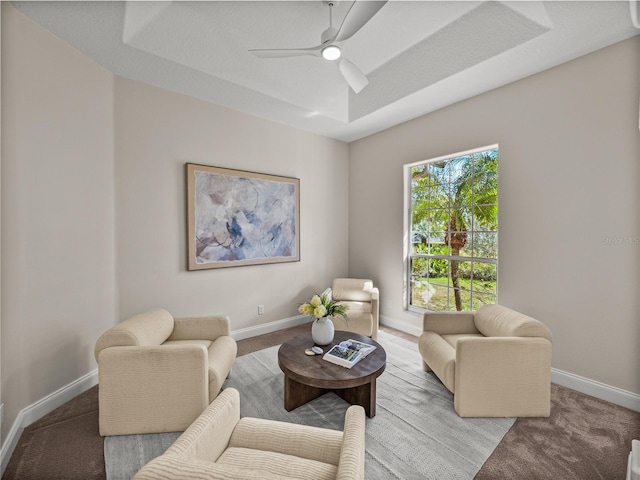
point(322, 331)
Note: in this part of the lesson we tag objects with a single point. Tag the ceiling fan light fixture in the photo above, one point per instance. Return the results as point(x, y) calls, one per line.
point(332, 52)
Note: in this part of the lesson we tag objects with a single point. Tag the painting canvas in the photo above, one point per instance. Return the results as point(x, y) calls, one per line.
point(241, 218)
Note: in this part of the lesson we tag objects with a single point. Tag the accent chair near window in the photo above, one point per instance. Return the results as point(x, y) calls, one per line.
point(495, 361)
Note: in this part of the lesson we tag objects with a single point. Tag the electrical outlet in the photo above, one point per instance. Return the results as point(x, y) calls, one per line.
point(260, 309)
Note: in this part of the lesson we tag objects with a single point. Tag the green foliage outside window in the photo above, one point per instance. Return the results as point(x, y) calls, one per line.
point(454, 232)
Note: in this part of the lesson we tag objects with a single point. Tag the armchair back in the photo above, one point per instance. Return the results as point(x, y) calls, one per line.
point(498, 321)
point(148, 328)
point(352, 289)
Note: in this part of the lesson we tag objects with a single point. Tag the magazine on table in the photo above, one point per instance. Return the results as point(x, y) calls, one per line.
point(348, 353)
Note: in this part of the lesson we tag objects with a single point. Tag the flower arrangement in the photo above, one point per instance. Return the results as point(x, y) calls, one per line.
point(322, 306)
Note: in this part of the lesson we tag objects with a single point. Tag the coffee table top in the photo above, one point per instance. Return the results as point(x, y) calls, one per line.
point(316, 372)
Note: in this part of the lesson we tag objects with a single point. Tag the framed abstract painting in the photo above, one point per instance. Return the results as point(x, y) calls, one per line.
point(237, 218)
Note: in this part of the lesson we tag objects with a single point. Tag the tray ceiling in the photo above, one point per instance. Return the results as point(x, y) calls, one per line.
point(419, 56)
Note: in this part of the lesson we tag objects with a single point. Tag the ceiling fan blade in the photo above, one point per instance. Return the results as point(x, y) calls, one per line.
point(286, 52)
point(353, 75)
point(359, 13)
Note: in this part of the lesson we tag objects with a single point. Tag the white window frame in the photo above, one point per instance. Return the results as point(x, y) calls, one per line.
point(407, 228)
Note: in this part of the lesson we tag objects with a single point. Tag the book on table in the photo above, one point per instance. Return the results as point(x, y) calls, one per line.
point(348, 353)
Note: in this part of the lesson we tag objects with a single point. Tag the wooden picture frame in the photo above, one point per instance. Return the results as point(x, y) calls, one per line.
point(237, 218)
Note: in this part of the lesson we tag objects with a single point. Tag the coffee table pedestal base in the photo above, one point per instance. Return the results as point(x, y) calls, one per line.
point(297, 394)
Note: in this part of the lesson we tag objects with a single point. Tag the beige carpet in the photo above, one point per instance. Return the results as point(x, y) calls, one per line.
point(583, 439)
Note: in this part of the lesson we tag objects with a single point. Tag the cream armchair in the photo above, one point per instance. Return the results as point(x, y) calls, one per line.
point(496, 361)
point(221, 445)
point(363, 300)
point(157, 373)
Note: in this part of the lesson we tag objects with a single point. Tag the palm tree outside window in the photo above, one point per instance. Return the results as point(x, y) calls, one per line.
point(452, 261)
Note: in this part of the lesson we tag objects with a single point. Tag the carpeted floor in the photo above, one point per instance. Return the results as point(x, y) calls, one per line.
point(584, 438)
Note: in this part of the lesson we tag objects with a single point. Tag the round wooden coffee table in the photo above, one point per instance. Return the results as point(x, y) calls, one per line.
point(307, 377)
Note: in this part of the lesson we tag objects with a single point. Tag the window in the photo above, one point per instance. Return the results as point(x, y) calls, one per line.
point(452, 234)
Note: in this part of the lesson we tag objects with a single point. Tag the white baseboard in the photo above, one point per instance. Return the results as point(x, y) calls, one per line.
point(414, 330)
point(596, 389)
point(39, 409)
point(274, 326)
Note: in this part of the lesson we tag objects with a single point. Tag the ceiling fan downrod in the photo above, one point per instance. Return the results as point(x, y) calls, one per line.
point(330, 52)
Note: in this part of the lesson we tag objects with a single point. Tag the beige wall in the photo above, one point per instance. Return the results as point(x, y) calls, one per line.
point(58, 247)
point(569, 180)
point(157, 132)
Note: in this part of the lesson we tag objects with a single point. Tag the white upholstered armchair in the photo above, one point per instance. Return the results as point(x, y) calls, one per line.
point(157, 373)
point(221, 445)
point(495, 361)
point(363, 300)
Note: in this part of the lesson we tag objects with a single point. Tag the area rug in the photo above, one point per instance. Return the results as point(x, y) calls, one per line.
point(124, 455)
point(416, 433)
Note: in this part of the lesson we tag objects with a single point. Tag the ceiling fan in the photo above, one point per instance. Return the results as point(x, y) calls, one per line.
point(360, 12)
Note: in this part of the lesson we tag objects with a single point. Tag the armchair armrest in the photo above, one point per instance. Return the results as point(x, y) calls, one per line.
point(200, 328)
point(375, 312)
point(194, 453)
point(510, 376)
point(149, 389)
point(375, 294)
point(449, 323)
point(207, 438)
point(351, 465)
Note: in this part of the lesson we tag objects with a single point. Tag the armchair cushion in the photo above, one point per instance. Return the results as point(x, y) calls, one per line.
point(207, 328)
point(446, 323)
point(261, 461)
point(360, 321)
point(311, 443)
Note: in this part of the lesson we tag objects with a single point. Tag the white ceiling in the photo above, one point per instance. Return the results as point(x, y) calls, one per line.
point(419, 56)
